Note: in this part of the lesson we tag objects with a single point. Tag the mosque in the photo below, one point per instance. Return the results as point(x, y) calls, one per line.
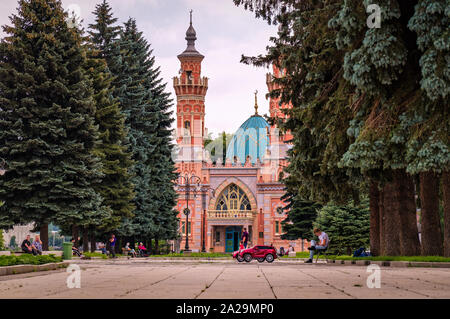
point(216, 199)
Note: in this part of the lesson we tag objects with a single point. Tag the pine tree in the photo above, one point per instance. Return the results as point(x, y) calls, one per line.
point(300, 217)
point(116, 188)
point(347, 226)
point(145, 104)
point(47, 121)
point(394, 80)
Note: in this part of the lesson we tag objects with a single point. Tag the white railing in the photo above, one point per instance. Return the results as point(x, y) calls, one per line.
point(230, 214)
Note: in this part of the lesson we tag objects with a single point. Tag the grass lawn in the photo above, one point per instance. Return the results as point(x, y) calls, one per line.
point(27, 259)
point(199, 255)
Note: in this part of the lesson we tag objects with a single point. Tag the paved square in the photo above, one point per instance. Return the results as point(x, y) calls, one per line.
point(191, 280)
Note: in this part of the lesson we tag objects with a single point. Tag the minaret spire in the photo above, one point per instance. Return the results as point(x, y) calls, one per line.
point(191, 36)
point(256, 102)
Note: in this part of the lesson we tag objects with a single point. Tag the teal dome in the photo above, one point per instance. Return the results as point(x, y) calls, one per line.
point(251, 139)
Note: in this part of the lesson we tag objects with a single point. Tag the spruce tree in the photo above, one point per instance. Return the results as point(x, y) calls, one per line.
point(47, 132)
point(115, 188)
point(389, 86)
point(146, 105)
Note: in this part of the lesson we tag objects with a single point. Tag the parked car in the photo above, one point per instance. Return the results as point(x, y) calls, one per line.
point(259, 252)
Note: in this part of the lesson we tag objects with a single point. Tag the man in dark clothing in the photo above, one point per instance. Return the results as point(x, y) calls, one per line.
point(245, 237)
point(112, 246)
point(27, 247)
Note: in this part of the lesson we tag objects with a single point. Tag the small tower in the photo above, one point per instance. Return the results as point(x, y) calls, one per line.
point(275, 108)
point(191, 89)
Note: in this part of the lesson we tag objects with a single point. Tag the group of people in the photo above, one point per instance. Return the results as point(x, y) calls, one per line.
point(34, 247)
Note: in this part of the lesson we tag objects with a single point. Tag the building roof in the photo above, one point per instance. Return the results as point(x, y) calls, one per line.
point(191, 36)
point(251, 139)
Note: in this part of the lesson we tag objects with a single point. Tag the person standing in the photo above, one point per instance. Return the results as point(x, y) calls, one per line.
point(245, 237)
point(112, 246)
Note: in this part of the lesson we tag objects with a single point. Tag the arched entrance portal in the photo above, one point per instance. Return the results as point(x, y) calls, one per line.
point(231, 212)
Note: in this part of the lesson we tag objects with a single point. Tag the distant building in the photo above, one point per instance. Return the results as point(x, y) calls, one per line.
point(246, 188)
point(20, 232)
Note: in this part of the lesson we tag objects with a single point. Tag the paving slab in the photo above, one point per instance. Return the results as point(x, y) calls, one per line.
point(196, 279)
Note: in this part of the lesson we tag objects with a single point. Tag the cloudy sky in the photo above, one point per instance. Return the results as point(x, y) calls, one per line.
point(224, 33)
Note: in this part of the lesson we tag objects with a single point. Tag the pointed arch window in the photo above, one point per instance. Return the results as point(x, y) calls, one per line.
point(233, 198)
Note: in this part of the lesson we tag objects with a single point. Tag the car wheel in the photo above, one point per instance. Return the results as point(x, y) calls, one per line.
point(248, 258)
point(239, 258)
point(261, 260)
point(269, 258)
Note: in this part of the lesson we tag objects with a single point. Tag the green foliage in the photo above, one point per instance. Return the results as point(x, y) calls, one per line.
point(12, 242)
point(348, 227)
point(28, 259)
point(47, 131)
point(431, 22)
point(115, 188)
point(140, 92)
point(300, 217)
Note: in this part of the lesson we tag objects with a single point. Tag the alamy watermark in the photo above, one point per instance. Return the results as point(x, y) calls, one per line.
point(374, 279)
point(374, 19)
point(74, 279)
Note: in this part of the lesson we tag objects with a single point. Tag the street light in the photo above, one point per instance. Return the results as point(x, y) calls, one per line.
point(54, 232)
point(205, 189)
point(189, 182)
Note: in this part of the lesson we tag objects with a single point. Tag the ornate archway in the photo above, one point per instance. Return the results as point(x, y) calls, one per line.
point(239, 186)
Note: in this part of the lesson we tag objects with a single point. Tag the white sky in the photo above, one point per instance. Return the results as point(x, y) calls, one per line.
point(224, 33)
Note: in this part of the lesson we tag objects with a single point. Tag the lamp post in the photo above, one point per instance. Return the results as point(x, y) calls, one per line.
point(204, 190)
point(54, 232)
point(189, 182)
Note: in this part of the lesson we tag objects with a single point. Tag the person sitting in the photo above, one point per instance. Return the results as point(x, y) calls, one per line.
point(102, 247)
point(75, 250)
point(131, 251)
point(142, 250)
point(323, 244)
point(38, 244)
point(27, 247)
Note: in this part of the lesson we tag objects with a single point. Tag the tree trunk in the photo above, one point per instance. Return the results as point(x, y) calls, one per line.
point(150, 247)
point(44, 236)
point(382, 222)
point(156, 246)
point(75, 235)
point(374, 219)
point(431, 226)
point(85, 239)
point(392, 221)
point(446, 200)
point(92, 239)
point(356, 199)
point(405, 205)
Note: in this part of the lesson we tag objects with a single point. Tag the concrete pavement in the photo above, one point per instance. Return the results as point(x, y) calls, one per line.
point(199, 280)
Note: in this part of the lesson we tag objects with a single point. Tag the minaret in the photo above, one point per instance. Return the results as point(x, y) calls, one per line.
point(275, 109)
point(190, 89)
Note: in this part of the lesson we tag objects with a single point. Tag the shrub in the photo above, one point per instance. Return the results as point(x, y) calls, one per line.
point(28, 259)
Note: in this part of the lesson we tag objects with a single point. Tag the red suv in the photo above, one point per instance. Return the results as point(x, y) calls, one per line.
point(259, 252)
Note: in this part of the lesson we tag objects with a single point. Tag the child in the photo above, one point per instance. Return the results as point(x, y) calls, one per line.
point(241, 245)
